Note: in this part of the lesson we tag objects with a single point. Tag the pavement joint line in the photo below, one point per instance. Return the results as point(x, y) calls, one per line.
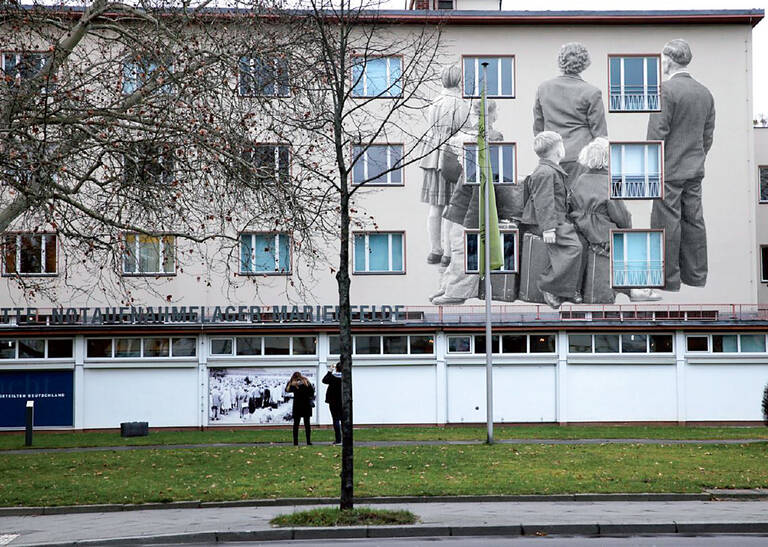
point(384, 443)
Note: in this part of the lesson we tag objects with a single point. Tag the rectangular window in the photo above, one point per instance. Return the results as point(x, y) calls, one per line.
point(660, 343)
point(156, 347)
point(263, 77)
point(149, 255)
point(748, 342)
point(269, 163)
point(502, 157)
point(377, 164)
point(31, 348)
point(29, 254)
point(459, 344)
point(606, 343)
point(265, 253)
point(60, 348)
point(367, 345)
point(634, 83)
point(420, 345)
point(509, 241)
point(636, 171)
point(697, 343)
point(248, 345)
point(542, 343)
point(304, 345)
point(514, 343)
point(637, 259)
point(148, 163)
point(397, 345)
point(634, 343)
point(183, 347)
point(18, 67)
point(379, 253)
point(99, 347)
point(7, 349)
point(334, 345)
point(580, 343)
point(128, 347)
point(138, 72)
point(277, 345)
point(444, 4)
point(763, 177)
point(764, 263)
point(725, 343)
point(221, 346)
point(501, 76)
point(377, 77)
point(480, 343)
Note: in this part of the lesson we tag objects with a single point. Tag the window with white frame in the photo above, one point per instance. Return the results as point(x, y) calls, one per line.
point(269, 163)
point(20, 66)
point(394, 344)
point(637, 258)
point(243, 346)
point(149, 255)
point(620, 343)
point(148, 163)
point(636, 171)
point(763, 178)
point(502, 159)
point(444, 4)
point(265, 253)
point(504, 343)
point(501, 76)
point(138, 72)
point(36, 348)
point(377, 164)
point(764, 263)
point(381, 252)
point(509, 241)
point(148, 347)
point(377, 77)
point(263, 77)
point(29, 254)
point(726, 343)
point(634, 83)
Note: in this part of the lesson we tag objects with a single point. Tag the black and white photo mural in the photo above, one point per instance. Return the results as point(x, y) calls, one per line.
point(566, 228)
point(251, 396)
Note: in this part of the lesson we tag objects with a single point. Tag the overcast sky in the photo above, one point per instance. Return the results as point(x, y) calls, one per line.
point(760, 34)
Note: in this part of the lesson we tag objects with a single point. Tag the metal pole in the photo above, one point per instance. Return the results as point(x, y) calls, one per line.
point(30, 423)
point(487, 258)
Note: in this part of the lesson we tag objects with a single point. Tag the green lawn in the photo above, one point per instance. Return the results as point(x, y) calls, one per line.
point(333, 516)
point(281, 471)
point(52, 440)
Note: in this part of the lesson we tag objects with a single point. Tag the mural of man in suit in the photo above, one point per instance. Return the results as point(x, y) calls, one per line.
point(570, 106)
point(685, 123)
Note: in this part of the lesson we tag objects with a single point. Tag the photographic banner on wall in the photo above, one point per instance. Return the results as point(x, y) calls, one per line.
point(252, 396)
point(50, 390)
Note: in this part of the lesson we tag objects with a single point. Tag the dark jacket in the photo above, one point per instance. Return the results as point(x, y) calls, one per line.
point(593, 211)
point(302, 399)
point(546, 206)
point(685, 123)
point(573, 108)
point(333, 393)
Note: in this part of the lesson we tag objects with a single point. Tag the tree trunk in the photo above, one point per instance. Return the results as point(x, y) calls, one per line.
point(345, 339)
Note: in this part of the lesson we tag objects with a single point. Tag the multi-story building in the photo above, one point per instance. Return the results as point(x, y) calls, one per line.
point(698, 354)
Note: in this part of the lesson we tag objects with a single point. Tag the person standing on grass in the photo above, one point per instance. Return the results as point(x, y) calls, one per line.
point(303, 395)
point(333, 398)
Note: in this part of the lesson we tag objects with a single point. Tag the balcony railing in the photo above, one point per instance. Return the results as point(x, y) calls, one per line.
point(638, 273)
point(636, 186)
point(634, 101)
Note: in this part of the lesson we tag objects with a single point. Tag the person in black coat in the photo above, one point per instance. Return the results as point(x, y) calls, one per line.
point(333, 398)
point(303, 401)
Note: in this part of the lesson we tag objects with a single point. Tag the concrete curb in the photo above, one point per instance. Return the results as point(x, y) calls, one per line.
point(110, 508)
point(594, 530)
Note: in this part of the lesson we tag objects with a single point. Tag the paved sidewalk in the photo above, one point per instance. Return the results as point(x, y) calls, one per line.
point(437, 519)
point(387, 443)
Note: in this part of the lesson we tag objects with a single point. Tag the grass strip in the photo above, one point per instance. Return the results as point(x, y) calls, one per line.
point(333, 516)
point(233, 435)
point(216, 474)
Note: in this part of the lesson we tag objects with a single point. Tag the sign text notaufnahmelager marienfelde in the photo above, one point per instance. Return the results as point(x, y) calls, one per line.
point(146, 315)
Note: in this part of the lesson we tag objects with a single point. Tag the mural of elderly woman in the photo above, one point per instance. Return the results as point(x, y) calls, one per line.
point(447, 115)
point(570, 106)
point(595, 214)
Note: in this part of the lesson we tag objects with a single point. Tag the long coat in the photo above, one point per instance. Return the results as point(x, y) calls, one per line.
point(685, 123)
point(333, 393)
point(573, 108)
point(302, 399)
point(593, 211)
point(546, 206)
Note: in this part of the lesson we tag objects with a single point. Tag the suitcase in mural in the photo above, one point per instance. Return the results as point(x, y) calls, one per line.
point(533, 261)
point(503, 285)
point(597, 279)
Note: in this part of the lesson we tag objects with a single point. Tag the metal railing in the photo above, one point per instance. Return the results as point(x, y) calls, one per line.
point(634, 101)
point(636, 186)
point(638, 273)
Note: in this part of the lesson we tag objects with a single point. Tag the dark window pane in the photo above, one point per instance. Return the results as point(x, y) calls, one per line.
point(50, 253)
point(634, 343)
point(422, 344)
point(7, 349)
point(697, 343)
point(458, 344)
point(396, 345)
point(59, 348)
point(128, 347)
point(184, 347)
point(764, 261)
point(542, 343)
point(99, 347)
point(514, 343)
point(249, 345)
point(156, 347)
point(221, 346)
point(276, 345)
point(749, 343)
point(606, 343)
point(725, 343)
point(304, 345)
point(661, 343)
point(480, 344)
point(31, 254)
point(334, 344)
point(367, 345)
point(580, 343)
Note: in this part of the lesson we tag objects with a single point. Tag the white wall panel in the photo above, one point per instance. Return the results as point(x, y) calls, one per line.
point(725, 392)
point(520, 393)
point(394, 394)
point(162, 397)
point(617, 393)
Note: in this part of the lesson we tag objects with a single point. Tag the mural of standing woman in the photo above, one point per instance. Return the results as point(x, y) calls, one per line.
point(447, 115)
